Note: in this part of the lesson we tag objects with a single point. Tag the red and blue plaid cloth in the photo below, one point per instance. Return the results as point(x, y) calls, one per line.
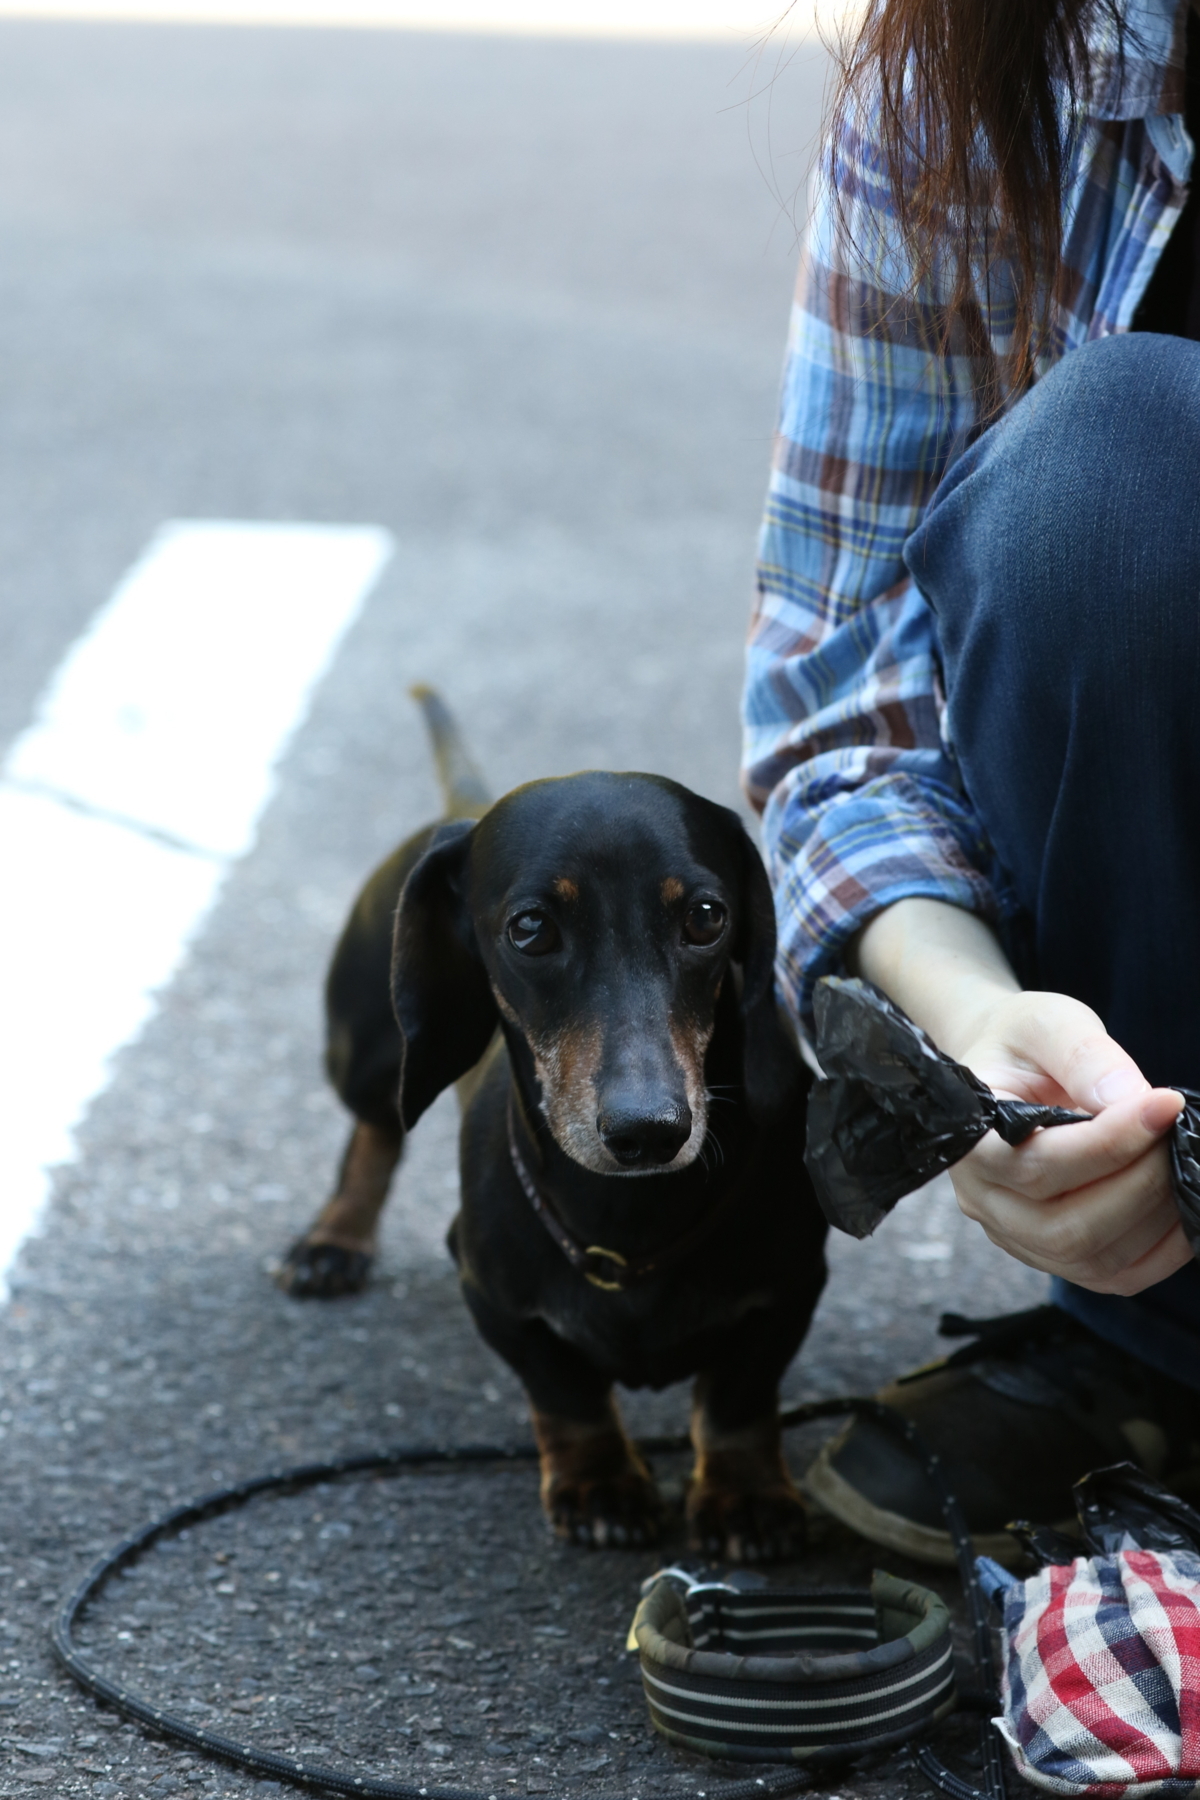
point(1101, 1686)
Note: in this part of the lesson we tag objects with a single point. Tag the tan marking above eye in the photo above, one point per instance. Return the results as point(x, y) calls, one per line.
point(671, 890)
point(566, 889)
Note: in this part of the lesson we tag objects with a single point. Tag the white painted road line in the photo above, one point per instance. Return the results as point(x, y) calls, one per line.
point(141, 780)
point(171, 710)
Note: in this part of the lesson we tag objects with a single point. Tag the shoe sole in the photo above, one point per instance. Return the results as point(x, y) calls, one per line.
point(834, 1495)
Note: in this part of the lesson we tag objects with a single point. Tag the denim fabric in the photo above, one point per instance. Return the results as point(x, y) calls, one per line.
point(1061, 562)
point(1161, 1325)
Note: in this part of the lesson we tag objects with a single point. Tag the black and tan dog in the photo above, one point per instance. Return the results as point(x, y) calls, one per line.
point(591, 959)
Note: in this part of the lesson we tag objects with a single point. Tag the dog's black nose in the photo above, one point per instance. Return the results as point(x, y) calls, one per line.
point(638, 1138)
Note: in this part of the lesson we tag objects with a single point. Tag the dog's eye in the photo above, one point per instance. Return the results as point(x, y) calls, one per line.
point(534, 933)
point(704, 922)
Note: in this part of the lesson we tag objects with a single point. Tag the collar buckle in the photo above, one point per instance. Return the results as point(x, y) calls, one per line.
point(619, 1262)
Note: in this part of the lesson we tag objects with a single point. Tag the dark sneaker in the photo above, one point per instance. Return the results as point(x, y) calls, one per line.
point(1017, 1416)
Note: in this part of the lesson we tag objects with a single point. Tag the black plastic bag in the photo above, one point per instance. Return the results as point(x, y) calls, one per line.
point(1185, 1166)
point(892, 1112)
point(1120, 1508)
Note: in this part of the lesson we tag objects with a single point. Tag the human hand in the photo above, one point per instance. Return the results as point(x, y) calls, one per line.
point(1091, 1202)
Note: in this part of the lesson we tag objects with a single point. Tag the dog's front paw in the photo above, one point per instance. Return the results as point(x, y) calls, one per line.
point(595, 1487)
point(621, 1511)
point(730, 1524)
point(323, 1271)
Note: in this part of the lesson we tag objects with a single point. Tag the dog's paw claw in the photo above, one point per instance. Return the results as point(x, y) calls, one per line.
point(323, 1271)
point(620, 1514)
point(746, 1528)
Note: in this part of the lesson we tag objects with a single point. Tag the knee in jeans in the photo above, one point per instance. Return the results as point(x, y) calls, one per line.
point(1122, 401)
point(1066, 523)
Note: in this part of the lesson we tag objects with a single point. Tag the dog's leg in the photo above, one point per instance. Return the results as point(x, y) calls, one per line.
point(743, 1505)
point(335, 1254)
point(595, 1487)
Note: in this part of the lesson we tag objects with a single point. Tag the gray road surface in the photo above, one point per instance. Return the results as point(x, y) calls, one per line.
point(524, 304)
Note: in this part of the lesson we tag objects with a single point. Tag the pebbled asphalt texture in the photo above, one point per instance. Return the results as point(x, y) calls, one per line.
point(523, 303)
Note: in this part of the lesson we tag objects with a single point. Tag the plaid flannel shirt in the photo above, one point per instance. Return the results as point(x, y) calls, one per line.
point(862, 800)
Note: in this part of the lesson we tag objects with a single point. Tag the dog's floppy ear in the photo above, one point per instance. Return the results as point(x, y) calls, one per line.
point(772, 1068)
point(440, 989)
point(754, 946)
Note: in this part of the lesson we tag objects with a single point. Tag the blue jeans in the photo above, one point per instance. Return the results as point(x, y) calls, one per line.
point(1061, 561)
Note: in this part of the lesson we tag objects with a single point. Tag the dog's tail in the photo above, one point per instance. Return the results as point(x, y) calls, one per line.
point(464, 791)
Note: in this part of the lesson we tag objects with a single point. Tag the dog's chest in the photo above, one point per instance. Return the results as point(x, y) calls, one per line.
point(650, 1334)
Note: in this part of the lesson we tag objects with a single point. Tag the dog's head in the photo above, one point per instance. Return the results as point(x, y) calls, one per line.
point(600, 917)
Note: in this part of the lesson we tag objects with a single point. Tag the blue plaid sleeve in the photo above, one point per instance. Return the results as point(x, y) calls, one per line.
point(843, 749)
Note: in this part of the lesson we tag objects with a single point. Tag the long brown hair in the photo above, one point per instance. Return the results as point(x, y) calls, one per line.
point(973, 142)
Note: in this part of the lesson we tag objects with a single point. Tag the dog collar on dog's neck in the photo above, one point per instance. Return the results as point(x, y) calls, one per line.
point(606, 1269)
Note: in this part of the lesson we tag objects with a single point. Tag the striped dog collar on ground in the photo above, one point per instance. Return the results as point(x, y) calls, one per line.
point(140, 782)
point(772, 1674)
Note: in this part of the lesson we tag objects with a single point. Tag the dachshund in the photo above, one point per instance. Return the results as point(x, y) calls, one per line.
point(591, 960)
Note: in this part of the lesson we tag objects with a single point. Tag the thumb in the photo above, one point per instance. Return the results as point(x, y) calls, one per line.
point(1087, 1064)
point(1097, 1074)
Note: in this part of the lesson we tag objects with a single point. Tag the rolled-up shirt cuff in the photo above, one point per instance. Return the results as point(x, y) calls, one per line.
point(868, 851)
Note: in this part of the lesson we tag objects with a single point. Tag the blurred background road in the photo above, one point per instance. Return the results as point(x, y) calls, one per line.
point(522, 303)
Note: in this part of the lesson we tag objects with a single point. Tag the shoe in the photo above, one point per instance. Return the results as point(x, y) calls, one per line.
point(1017, 1416)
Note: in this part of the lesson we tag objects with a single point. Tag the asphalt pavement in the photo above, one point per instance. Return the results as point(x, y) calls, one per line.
point(523, 304)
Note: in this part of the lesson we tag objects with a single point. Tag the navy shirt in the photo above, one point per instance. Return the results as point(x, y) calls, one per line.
point(1171, 303)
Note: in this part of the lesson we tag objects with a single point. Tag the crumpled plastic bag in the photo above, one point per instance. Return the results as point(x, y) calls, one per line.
point(1118, 1508)
point(1121, 1508)
point(1185, 1166)
point(891, 1112)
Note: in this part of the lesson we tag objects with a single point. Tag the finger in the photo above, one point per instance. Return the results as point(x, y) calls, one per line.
point(1072, 1046)
point(1171, 1253)
point(1101, 1229)
point(1130, 1210)
point(1058, 1161)
point(1071, 1248)
point(1167, 1257)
